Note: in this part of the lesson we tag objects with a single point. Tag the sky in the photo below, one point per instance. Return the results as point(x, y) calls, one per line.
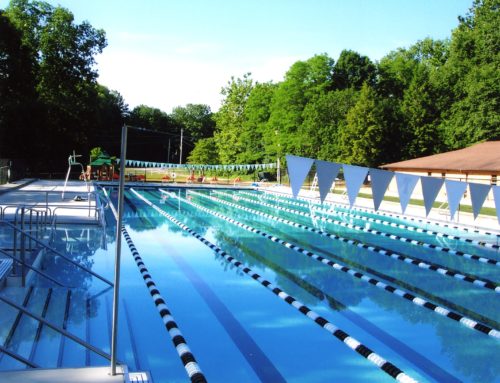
point(168, 53)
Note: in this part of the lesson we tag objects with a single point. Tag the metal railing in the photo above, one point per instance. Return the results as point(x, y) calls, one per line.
point(50, 250)
point(54, 327)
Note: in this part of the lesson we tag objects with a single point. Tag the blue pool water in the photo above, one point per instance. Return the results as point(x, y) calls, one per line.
point(237, 329)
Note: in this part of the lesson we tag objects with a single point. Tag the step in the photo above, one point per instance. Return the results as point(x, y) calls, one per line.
point(5, 270)
point(23, 333)
point(45, 351)
point(72, 353)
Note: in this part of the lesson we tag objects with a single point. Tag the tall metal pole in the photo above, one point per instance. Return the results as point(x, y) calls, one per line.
point(116, 291)
point(278, 171)
point(180, 157)
point(168, 153)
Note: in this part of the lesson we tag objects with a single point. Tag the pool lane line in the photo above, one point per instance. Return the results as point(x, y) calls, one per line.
point(403, 217)
point(392, 224)
point(187, 357)
point(477, 281)
point(422, 363)
point(250, 350)
point(409, 288)
point(447, 250)
point(351, 342)
point(467, 322)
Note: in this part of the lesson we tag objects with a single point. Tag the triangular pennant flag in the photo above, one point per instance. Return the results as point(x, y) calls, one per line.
point(496, 196)
point(298, 167)
point(455, 191)
point(430, 190)
point(478, 193)
point(327, 171)
point(354, 177)
point(380, 180)
point(406, 183)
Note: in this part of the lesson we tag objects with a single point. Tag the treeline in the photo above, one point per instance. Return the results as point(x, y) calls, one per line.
point(416, 101)
point(420, 100)
point(52, 104)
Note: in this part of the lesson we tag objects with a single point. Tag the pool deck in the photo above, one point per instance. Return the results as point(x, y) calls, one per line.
point(64, 375)
point(76, 206)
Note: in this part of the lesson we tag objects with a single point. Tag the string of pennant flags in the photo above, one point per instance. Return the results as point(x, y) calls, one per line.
point(299, 167)
point(163, 165)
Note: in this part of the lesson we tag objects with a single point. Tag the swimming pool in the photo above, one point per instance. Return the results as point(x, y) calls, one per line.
point(263, 287)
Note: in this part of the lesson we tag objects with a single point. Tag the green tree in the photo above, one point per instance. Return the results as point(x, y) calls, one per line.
point(196, 119)
point(150, 145)
point(472, 75)
point(421, 116)
point(62, 53)
point(352, 70)
point(304, 82)
point(324, 118)
point(253, 137)
point(111, 114)
point(204, 152)
point(397, 69)
point(363, 141)
point(19, 107)
point(231, 117)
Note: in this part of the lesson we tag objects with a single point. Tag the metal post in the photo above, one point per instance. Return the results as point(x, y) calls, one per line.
point(278, 171)
point(114, 330)
point(168, 153)
point(180, 157)
point(23, 249)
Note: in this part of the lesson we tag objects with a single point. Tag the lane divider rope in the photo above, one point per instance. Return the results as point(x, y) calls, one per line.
point(348, 340)
point(416, 229)
point(442, 270)
point(188, 360)
point(402, 217)
point(387, 235)
point(467, 322)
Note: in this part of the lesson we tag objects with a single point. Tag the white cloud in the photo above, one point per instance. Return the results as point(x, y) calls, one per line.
point(168, 80)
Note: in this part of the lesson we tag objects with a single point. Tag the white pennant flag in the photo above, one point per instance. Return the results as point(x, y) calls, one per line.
point(380, 180)
point(496, 196)
point(298, 167)
point(455, 191)
point(478, 193)
point(430, 190)
point(354, 177)
point(406, 184)
point(327, 171)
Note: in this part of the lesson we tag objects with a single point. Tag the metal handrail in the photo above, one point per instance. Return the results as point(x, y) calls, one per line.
point(59, 253)
point(18, 357)
point(35, 269)
point(58, 329)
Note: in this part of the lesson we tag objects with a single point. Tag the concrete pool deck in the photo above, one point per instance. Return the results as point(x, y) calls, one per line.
point(63, 375)
point(77, 206)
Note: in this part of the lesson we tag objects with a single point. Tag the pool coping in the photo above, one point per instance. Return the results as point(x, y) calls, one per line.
point(62, 375)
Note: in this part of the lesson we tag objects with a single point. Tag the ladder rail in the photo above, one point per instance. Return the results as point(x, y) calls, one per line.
point(56, 328)
point(35, 269)
point(18, 357)
point(56, 252)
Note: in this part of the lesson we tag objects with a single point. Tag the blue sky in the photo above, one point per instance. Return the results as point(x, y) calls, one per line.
point(165, 53)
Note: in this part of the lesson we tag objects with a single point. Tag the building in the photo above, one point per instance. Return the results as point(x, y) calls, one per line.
point(479, 163)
